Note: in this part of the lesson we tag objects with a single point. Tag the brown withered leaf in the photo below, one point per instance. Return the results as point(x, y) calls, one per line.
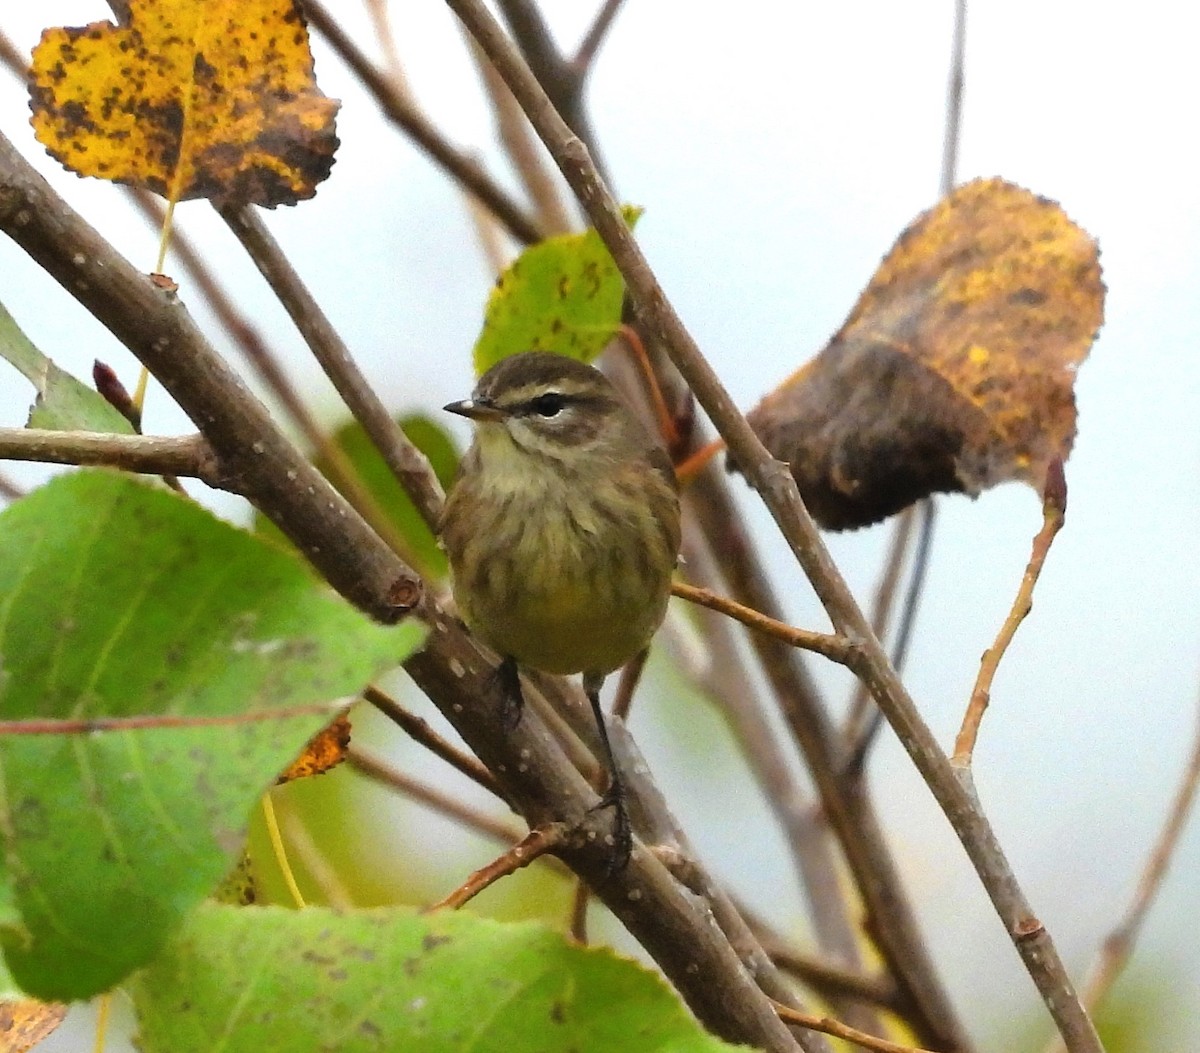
point(954, 371)
point(325, 750)
point(24, 1022)
point(213, 99)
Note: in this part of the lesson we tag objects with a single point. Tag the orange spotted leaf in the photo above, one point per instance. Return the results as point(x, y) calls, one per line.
point(955, 371)
point(213, 99)
point(325, 750)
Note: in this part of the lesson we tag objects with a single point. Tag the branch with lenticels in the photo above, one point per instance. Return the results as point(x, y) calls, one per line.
point(778, 490)
point(252, 458)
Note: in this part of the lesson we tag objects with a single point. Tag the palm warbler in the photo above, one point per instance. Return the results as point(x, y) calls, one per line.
point(562, 530)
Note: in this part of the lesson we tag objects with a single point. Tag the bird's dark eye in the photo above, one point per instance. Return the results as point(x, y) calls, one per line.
point(549, 404)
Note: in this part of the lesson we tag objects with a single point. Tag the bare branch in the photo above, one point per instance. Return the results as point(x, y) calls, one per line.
point(257, 461)
point(406, 462)
point(531, 847)
point(399, 109)
point(778, 490)
point(954, 98)
point(1054, 509)
point(420, 731)
point(526, 152)
point(1118, 945)
point(835, 648)
point(589, 46)
point(380, 771)
point(829, 1026)
point(186, 455)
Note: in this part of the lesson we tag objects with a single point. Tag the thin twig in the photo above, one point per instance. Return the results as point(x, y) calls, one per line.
point(420, 731)
point(1054, 510)
point(399, 109)
point(829, 1026)
point(258, 461)
point(410, 467)
point(890, 919)
point(775, 484)
point(631, 675)
point(861, 705)
point(337, 467)
point(835, 648)
point(589, 46)
point(187, 455)
point(954, 99)
point(378, 770)
point(524, 150)
point(872, 717)
point(1118, 945)
point(532, 846)
point(726, 679)
point(562, 82)
point(378, 10)
point(580, 899)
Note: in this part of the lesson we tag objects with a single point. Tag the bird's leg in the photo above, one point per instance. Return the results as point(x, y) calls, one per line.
point(614, 795)
point(508, 676)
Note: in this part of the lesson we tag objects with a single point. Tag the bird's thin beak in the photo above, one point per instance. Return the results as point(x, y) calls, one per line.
point(474, 410)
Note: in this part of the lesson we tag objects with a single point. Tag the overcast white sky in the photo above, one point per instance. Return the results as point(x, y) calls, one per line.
point(778, 150)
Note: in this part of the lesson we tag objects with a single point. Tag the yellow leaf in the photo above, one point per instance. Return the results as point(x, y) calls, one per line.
point(213, 99)
point(955, 371)
point(325, 750)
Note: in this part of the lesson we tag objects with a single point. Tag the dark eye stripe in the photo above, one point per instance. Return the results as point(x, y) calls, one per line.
point(549, 404)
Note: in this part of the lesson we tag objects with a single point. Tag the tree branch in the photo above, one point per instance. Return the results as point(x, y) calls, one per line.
point(256, 460)
point(778, 490)
point(420, 731)
point(399, 109)
point(405, 461)
point(186, 455)
point(1118, 945)
point(835, 648)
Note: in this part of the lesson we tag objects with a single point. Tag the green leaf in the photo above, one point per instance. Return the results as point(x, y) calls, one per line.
point(563, 294)
point(412, 539)
point(63, 403)
point(265, 979)
point(432, 440)
point(118, 600)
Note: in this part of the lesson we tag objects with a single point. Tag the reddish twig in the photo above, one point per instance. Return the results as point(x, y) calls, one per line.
point(579, 912)
point(1054, 510)
point(380, 771)
point(534, 845)
point(835, 648)
point(420, 731)
point(829, 1026)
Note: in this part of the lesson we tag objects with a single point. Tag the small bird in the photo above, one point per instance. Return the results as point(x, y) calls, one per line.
point(562, 530)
